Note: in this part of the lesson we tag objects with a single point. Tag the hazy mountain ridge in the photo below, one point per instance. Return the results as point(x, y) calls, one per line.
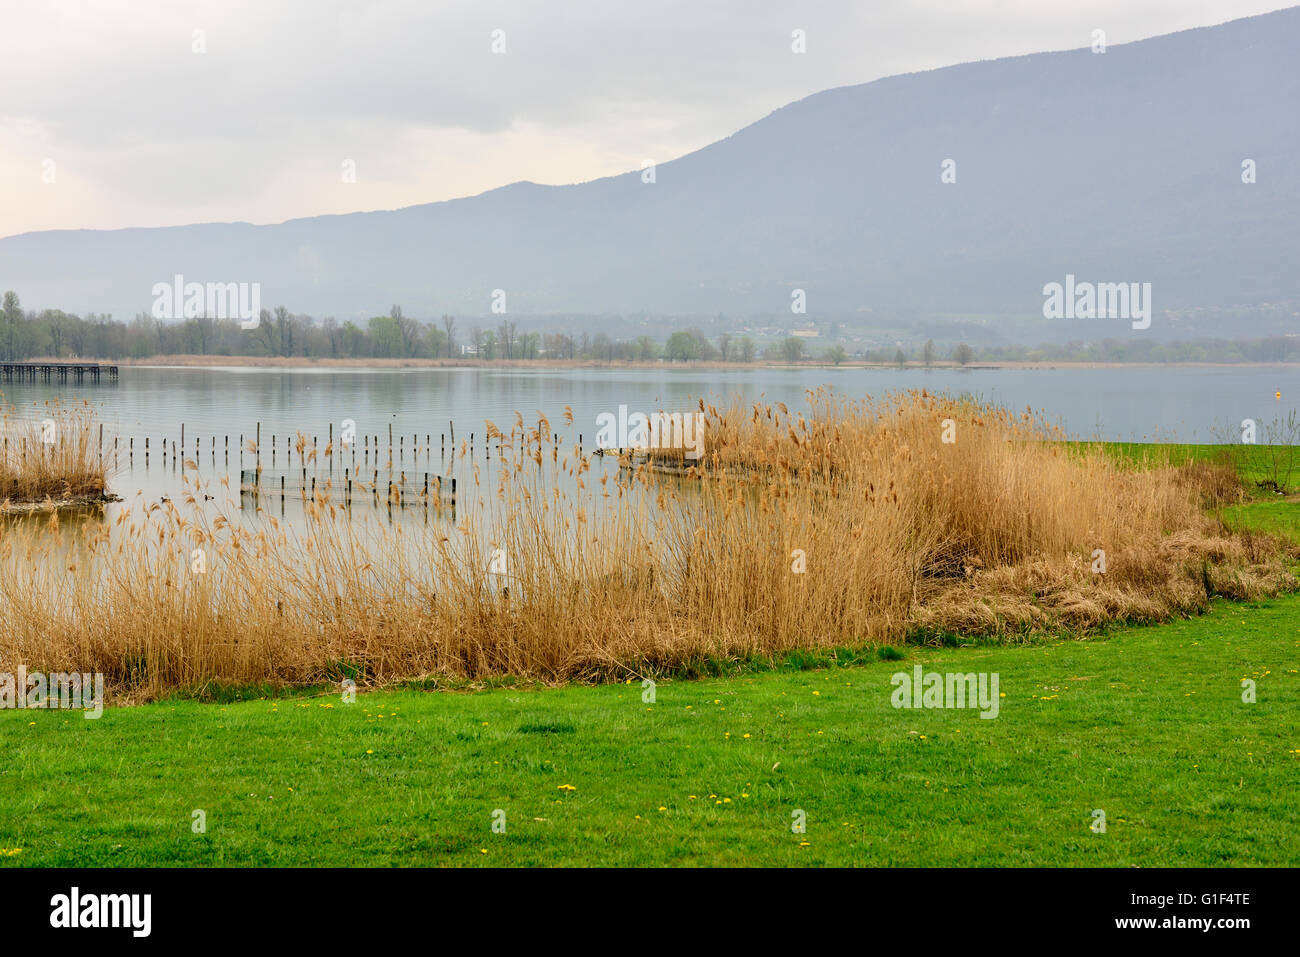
point(1123, 166)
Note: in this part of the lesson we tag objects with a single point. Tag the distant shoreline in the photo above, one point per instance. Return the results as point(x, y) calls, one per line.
point(303, 362)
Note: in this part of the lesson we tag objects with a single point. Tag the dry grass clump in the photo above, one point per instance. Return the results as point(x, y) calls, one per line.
point(1219, 483)
point(854, 522)
point(52, 454)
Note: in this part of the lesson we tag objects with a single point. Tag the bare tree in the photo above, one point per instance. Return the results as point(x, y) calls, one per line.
point(284, 330)
point(507, 337)
point(407, 328)
point(449, 326)
point(265, 332)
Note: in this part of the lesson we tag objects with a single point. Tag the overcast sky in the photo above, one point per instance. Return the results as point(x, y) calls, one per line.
point(109, 99)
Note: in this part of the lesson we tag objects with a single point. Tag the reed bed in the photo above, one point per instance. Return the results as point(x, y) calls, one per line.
point(850, 524)
point(51, 454)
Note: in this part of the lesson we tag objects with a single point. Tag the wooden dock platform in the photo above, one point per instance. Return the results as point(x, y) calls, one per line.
point(48, 371)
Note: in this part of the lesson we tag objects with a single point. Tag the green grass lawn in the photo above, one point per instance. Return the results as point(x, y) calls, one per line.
point(1255, 463)
point(1280, 517)
point(1147, 724)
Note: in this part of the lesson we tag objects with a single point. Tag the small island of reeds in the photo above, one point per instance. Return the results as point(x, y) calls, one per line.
point(51, 457)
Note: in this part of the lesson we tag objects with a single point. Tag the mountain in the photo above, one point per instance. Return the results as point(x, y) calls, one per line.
point(1123, 166)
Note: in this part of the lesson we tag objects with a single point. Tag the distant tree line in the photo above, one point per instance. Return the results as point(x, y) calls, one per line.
point(1141, 349)
point(281, 333)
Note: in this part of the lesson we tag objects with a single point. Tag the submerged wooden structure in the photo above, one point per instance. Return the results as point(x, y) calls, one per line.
point(62, 371)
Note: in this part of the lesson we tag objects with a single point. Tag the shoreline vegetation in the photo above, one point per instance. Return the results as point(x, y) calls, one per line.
point(294, 362)
point(53, 462)
point(170, 335)
point(856, 524)
point(1147, 724)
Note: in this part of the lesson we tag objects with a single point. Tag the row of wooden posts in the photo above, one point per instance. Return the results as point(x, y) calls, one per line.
point(365, 446)
point(251, 481)
point(395, 489)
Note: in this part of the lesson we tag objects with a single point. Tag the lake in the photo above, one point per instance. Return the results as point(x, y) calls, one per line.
point(1162, 403)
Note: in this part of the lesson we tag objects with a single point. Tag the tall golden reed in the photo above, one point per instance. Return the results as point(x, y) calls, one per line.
point(51, 452)
point(852, 523)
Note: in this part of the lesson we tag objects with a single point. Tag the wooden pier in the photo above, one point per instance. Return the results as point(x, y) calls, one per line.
point(48, 371)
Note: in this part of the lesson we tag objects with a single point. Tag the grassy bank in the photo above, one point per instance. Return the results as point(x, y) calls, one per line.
point(1148, 726)
point(1262, 467)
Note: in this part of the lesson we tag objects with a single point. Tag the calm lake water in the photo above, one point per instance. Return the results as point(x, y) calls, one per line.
point(1140, 404)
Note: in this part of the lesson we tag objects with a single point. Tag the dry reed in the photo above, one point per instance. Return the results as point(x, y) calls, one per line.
point(54, 455)
point(849, 524)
